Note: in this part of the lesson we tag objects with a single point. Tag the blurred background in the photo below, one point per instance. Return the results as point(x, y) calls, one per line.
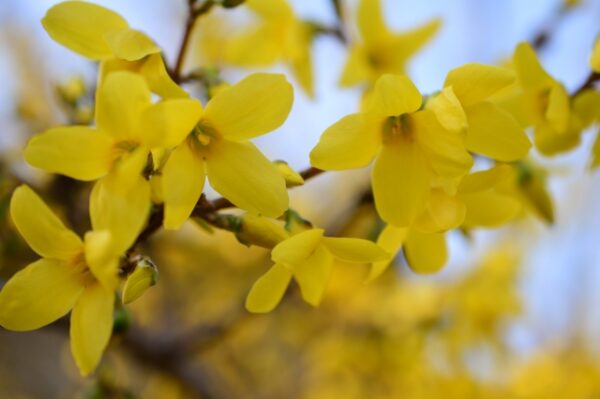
point(513, 314)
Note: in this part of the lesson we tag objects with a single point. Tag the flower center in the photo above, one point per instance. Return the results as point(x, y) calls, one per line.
point(398, 128)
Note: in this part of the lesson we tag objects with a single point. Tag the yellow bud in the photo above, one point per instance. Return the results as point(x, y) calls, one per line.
point(260, 231)
point(292, 178)
point(143, 277)
point(72, 89)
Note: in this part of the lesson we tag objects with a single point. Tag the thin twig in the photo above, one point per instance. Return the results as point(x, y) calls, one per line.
point(592, 78)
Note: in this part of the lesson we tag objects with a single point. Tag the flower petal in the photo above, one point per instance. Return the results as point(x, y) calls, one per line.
point(102, 258)
point(296, 249)
point(443, 212)
point(351, 142)
point(154, 71)
point(167, 123)
point(559, 108)
point(130, 44)
point(400, 183)
point(354, 249)
point(121, 100)
point(91, 327)
point(473, 83)
point(81, 27)
point(370, 21)
point(595, 58)
point(79, 152)
point(425, 253)
point(267, 291)
point(495, 133)
point(394, 95)
point(448, 110)
point(183, 180)
point(530, 72)
point(39, 294)
point(242, 174)
point(390, 239)
point(313, 274)
point(40, 227)
point(489, 209)
point(252, 107)
point(356, 69)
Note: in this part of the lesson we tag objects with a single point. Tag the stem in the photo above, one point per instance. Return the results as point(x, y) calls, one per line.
point(588, 84)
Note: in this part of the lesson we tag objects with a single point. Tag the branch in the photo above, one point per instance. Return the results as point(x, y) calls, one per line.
point(592, 78)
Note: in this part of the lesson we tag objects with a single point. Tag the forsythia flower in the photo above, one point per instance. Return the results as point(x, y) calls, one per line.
point(103, 35)
point(309, 258)
point(72, 275)
point(128, 127)
point(219, 148)
point(410, 146)
point(278, 36)
point(381, 51)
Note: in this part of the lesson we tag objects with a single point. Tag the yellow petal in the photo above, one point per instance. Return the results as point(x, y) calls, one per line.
point(351, 142)
point(303, 71)
point(183, 180)
point(296, 249)
point(485, 179)
point(313, 274)
point(530, 72)
point(473, 83)
point(489, 209)
point(406, 44)
point(167, 123)
point(39, 294)
point(91, 327)
point(394, 95)
point(586, 107)
point(356, 68)
point(595, 58)
point(390, 239)
point(425, 253)
point(121, 100)
point(154, 71)
point(444, 149)
point(400, 183)
point(448, 110)
point(242, 174)
point(40, 227)
point(102, 258)
point(443, 212)
point(596, 152)
point(130, 44)
point(120, 202)
point(354, 250)
point(267, 291)
point(495, 133)
point(292, 178)
point(370, 21)
point(79, 152)
point(550, 142)
point(252, 107)
point(559, 108)
point(81, 27)
point(251, 49)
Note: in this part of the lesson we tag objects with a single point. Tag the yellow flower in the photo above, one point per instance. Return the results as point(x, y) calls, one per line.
point(219, 149)
point(381, 51)
point(308, 257)
point(103, 35)
point(278, 36)
point(491, 131)
point(128, 127)
point(72, 275)
point(411, 147)
point(545, 103)
point(478, 202)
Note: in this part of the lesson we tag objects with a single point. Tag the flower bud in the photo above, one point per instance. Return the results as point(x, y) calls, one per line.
point(260, 231)
point(143, 277)
point(292, 178)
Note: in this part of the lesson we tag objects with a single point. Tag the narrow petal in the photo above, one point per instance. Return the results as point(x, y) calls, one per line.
point(82, 26)
point(91, 327)
point(242, 174)
point(39, 294)
point(303, 69)
point(486, 179)
point(130, 44)
point(355, 250)
point(448, 110)
point(489, 209)
point(79, 152)
point(252, 107)
point(394, 95)
point(351, 142)
point(530, 71)
point(167, 123)
point(443, 212)
point(267, 291)
point(120, 202)
point(406, 44)
point(296, 249)
point(595, 58)
point(550, 142)
point(249, 48)
point(356, 68)
point(370, 21)
point(473, 83)
point(183, 180)
point(313, 274)
point(425, 253)
point(596, 152)
point(400, 183)
point(102, 257)
point(559, 108)
point(495, 133)
point(121, 100)
point(154, 71)
point(391, 240)
point(39, 226)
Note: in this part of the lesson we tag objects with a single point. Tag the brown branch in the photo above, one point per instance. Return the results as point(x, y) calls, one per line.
point(541, 38)
point(592, 78)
